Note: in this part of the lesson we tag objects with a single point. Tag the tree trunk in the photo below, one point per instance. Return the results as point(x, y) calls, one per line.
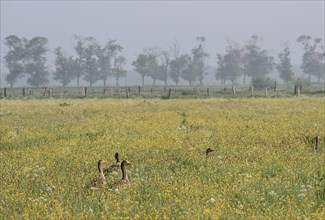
point(142, 76)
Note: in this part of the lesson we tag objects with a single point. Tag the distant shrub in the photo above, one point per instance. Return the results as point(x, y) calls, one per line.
point(262, 82)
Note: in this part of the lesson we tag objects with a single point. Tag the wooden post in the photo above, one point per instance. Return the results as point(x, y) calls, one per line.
point(24, 92)
point(275, 86)
point(85, 91)
point(5, 92)
point(252, 90)
point(151, 91)
point(45, 89)
point(139, 90)
point(317, 143)
point(197, 89)
point(127, 92)
point(297, 90)
point(169, 92)
point(104, 91)
point(266, 93)
point(233, 90)
point(208, 92)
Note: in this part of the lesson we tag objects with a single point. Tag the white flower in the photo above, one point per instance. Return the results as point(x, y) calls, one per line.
point(91, 211)
point(272, 193)
point(212, 200)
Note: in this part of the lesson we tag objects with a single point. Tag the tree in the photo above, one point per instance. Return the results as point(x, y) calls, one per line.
point(229, 65)
point(257, 61)
point(188, 73)
point(284, 67)
point(105, 55)
point(146, 64)
point(312, 60)
point(140, 66)
point(35, 58)
point(80, 50)
point(164, 67)
point(177, 66)
point(14, 59)
point(199, 57)
point(118, 68)
point(91, 67)
point(66, 67)
point(152, 67)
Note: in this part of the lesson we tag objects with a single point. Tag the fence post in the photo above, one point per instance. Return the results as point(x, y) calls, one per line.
point(317, 143)
point(252, 90)
point(266, 93)
point(45, 89)
point(24, 92)
point(208, 92)
point(233, 90)
point(297, 90)
point(275, 86)
point(197, 89)
point(151, 91)
point(5, 92)
point(169, 92)
point(139, 90)
point(127, 92)
point(85, 91)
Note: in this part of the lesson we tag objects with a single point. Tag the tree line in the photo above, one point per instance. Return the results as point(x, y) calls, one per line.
point(94, 62)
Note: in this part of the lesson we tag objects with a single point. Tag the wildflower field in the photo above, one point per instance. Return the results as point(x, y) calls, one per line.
point(264, 164)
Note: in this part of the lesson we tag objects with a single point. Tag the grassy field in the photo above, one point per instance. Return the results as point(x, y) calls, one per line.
point(264, 165)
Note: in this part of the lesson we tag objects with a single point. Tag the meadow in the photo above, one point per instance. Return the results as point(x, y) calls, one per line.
point(264, 166)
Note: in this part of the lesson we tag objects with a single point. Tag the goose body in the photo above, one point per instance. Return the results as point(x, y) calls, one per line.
point(125, 179)
point(209, 150)
point(115, 167)
point(100, 180)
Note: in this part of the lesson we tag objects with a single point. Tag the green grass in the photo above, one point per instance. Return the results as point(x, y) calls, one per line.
point(264, 165)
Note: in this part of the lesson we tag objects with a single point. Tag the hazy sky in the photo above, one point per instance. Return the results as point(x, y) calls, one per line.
point(142, 24)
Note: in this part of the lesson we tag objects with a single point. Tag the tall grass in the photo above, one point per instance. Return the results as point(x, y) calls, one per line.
point(264, 165)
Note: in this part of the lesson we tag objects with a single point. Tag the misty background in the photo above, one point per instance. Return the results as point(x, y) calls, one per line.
point(145, 24)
